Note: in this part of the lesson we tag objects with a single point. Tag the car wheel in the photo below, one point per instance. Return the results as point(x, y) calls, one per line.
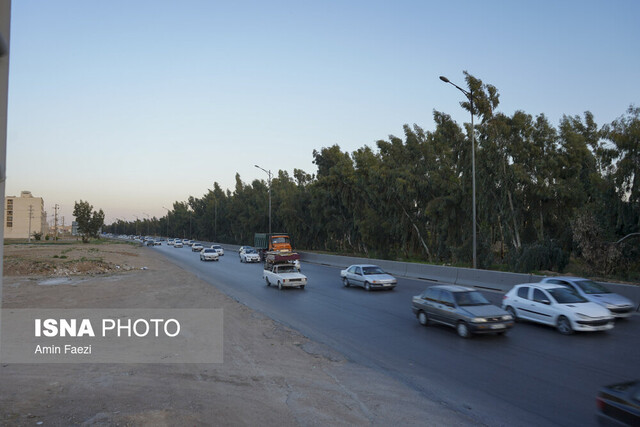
point(367, 286)
point(302, 287)
point(266, 279)
point(512, 312)
point(463, 330)
point(423, 318)
point(345, 282)
point(279, 285)
point(240, 259)
point(564, 326)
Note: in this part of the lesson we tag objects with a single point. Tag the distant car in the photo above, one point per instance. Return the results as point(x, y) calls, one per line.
point(245, 248)
point(196, 247)
point(149, 242)
point(463, 308)
point(157, 243)
point(170, 242)
point(619, 404)
point(249, 255)
point(177, 244)
point(557, 306)
point(618, 306)
point(186, 242)
point(368, 276)
point(218, 249)
point(208, 254)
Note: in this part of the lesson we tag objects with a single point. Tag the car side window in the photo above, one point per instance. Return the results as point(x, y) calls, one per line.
point(447, 299)
point(539, 296)
point(359, 271)
point(523, 292)
point(554, 281)
point(432, 295)
point(352, 270)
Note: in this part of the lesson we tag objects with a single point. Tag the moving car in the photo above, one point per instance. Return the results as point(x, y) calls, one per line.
point(196, 247)
point(367, 276)
point(157, 243)
point(284, 275)
point(619, 404)
point(463, 308)
point(618, 306)
point(555, 305)
point(170, 242)
point(208, 254)
point(249, 255)
point(177, 244)
point(218, 249)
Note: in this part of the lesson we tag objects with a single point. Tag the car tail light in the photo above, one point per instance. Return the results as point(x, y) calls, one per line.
point(600, 403)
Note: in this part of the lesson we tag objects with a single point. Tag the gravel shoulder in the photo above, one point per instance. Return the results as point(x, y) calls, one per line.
point(271, 374)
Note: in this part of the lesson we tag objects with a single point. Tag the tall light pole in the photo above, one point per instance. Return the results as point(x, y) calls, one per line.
point(168, 211)
point(469, 95)
point(148, 222)
point(268, 172)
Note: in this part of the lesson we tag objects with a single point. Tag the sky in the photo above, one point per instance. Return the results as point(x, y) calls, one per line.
point(133, 105)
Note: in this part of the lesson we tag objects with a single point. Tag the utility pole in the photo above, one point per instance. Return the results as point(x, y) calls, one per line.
point(55, 216)
point(30, 216)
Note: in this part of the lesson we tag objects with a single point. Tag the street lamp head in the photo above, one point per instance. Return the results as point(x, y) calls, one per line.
point(444, 79)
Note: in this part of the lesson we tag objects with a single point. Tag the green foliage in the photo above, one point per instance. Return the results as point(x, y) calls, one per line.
point(410, 196)
point(89, 222)
point(540, 256)
point(37, 235)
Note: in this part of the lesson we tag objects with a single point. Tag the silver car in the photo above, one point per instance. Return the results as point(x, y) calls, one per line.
point(618, 306)
point(367, 276)
point(463, 308)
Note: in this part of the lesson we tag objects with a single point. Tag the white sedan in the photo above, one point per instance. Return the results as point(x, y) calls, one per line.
point(557, 306)
point(218, 249)
point(368, 276)
point(249, 255)
point(196, 247)
point(208, 254)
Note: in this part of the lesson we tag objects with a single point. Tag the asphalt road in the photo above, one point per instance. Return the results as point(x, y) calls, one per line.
point(532, 376)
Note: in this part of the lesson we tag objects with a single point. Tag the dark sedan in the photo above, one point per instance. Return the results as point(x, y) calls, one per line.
point(463, 308)
point(619, 404)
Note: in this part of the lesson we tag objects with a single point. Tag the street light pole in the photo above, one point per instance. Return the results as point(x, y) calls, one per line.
point(469, 95)
point(148, 222)
point(268, 172)
point(167, 220)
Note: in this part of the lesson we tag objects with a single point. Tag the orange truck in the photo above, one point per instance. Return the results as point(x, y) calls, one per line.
point(275, 248)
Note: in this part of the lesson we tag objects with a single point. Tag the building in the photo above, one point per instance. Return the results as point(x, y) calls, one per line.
point(22, 214)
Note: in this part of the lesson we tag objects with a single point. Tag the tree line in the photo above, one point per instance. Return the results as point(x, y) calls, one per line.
point(545, 195)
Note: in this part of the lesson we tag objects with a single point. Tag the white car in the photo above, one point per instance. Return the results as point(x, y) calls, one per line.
point(619, 306)
point(208, 254)
point(177, 244)
point(249, 255)
point(170, 242)
point(557, 306)
point(196, 247)
point(218, 249)
point(284, 276)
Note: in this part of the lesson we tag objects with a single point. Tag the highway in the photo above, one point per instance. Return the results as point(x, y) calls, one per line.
point(532, 376)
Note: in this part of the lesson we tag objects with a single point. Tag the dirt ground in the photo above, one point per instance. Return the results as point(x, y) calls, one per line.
point(271, 374)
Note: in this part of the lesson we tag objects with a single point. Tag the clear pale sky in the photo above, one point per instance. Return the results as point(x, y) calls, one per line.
point(133, 105)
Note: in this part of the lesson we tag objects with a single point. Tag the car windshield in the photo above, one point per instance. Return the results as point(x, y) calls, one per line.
point(216, 247)
point(565, 296)
point(209, 251)
point(286, 269)
point(470, 298)
point(250, 251)
point(372, 270)
point(590, 287)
